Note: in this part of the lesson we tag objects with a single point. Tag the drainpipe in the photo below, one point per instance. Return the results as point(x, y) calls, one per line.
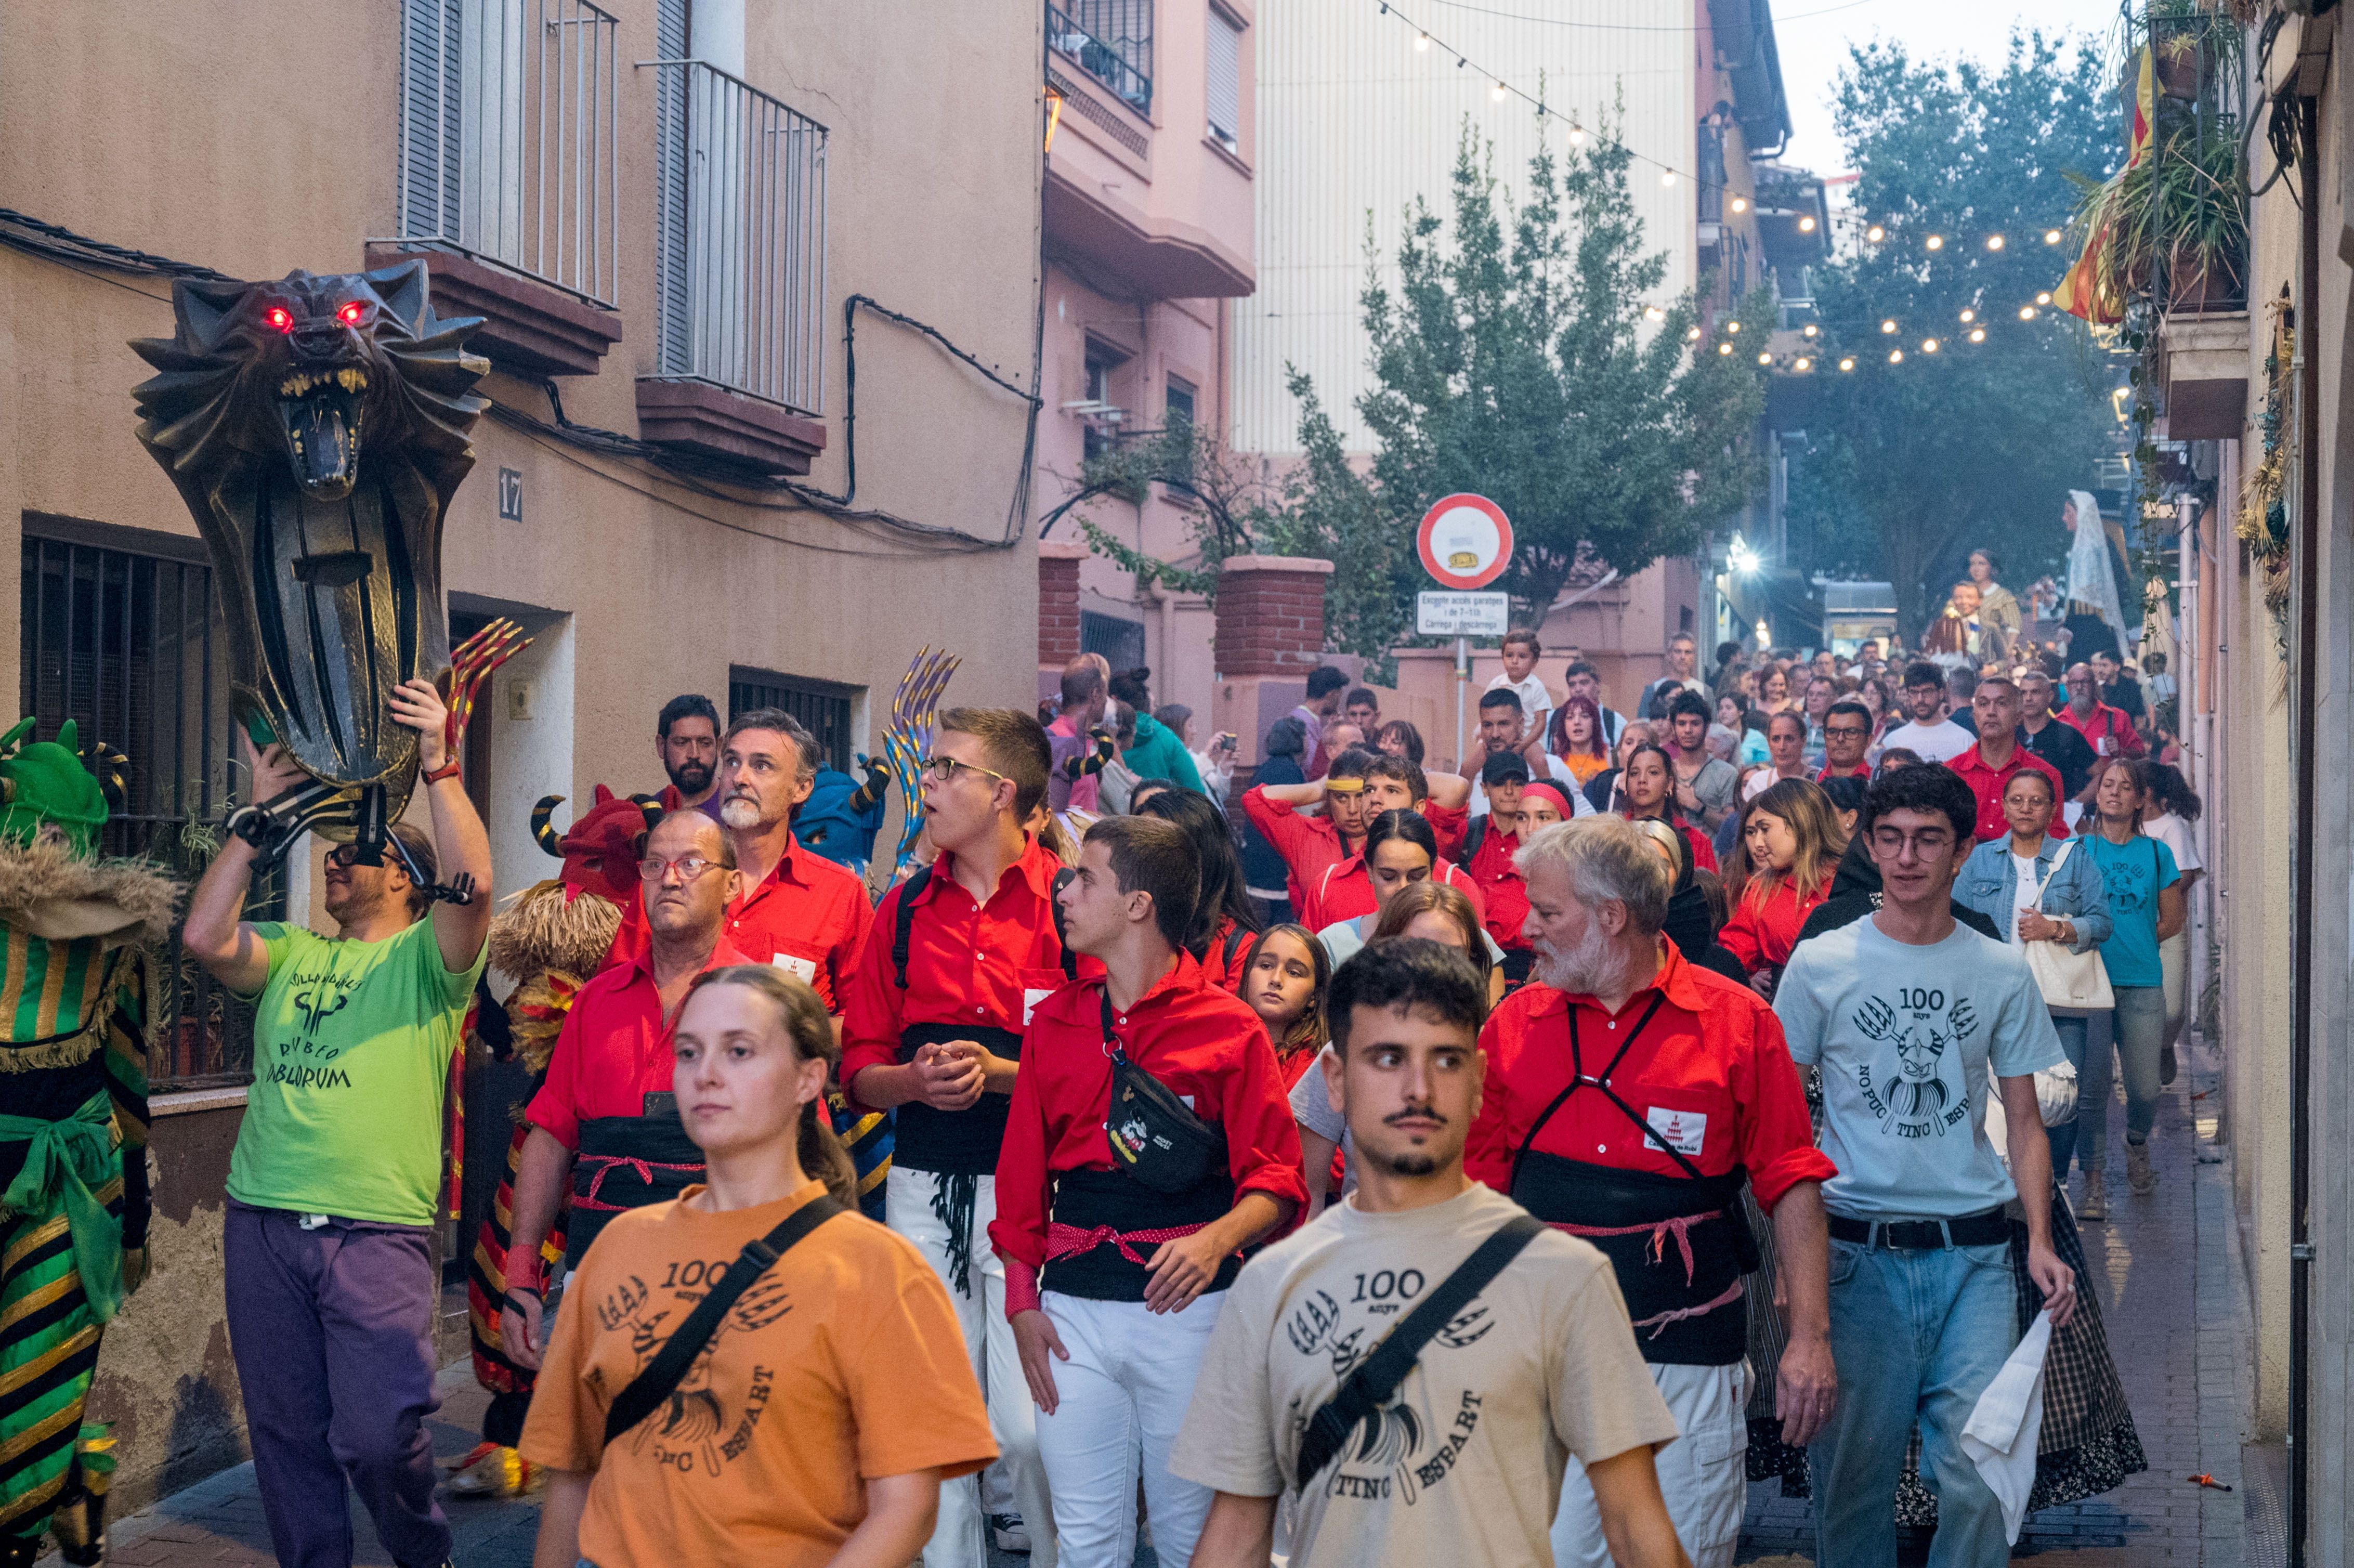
point(2303, 715)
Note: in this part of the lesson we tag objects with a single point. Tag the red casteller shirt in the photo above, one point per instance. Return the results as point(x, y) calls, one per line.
point(1448, 825)
point(614, 1048)
point(983, 964)
point(2107, 724)
point(1704, 850)
point(1203, 1043)
point(809, 916)
point(1860, 770)
point(1761, 934)
point(1309, 845)
point(1217, 969)
point(1989, 783)
point(1713, 1051)
point(1500, 883)
point(1346, 891)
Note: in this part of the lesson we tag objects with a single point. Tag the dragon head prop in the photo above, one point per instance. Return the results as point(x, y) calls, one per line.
point(317, 429)
point(841, 816)
point(599, 852)
point(44, 784)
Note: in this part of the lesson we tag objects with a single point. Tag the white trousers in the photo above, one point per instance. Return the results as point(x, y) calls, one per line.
point(1121, 1399)
point(1703, 1473)
point(960, 1535)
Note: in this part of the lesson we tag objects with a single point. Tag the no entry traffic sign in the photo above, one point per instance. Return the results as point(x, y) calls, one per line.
point(1466, 541)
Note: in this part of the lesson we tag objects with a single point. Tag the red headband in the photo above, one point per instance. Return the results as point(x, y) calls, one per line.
point(1551, 792)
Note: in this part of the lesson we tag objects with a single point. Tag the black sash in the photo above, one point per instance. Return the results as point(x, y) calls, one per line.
point(1092, 1200)
point(955, 1143)
point(1684, 1241)
point(626, 1162)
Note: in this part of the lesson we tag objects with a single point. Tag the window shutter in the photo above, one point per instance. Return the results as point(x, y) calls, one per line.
point(1226, 78)
point(430, 104)
point(673, 313)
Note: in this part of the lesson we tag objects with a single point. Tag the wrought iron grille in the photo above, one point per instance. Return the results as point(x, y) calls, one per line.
point(508, 123)
point(740, 195)
point(825, 709)
point(123, 644)
point(1112, 41)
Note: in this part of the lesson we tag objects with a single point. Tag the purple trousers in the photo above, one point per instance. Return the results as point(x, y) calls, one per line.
point(333, 1332)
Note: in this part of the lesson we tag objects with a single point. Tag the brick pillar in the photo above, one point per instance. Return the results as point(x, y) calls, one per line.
point(1270, 635)
point(1058, 603)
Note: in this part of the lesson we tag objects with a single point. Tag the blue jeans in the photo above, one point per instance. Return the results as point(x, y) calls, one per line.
point(2138, 1027)
point(2070, 1028)
point(1917, 1336)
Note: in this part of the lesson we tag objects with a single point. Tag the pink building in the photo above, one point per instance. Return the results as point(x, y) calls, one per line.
point(1148, 236)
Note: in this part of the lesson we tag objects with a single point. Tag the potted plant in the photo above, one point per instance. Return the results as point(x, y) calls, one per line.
point(2181, 61)
point(2177, 219)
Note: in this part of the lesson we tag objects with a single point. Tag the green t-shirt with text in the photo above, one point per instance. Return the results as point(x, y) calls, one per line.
point(352, 1044)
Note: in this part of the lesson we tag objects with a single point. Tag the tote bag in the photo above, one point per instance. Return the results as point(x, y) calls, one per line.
point(2077, 982)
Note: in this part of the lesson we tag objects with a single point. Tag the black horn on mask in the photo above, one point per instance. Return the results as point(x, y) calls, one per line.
point(545, 831)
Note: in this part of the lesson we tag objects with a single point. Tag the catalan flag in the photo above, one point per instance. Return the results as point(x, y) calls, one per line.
point(2142, 118)
point(2089, 290)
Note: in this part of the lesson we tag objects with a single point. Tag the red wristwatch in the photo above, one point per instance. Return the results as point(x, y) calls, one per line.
point(447, 771)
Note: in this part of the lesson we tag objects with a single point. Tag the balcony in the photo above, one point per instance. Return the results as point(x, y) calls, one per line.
point(1112, 41)
point(509, 178)
point(739, 273)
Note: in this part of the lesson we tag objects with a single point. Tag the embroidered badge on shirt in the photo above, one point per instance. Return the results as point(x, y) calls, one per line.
point(1680, 1130)
point(801, 969)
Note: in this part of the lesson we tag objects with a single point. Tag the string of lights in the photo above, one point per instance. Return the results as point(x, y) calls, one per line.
point(1814, 353)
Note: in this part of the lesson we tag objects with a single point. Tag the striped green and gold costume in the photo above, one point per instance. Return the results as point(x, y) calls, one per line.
point(73, 1215)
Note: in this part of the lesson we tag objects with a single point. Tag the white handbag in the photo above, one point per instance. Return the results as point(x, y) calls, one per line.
point(2078, 983)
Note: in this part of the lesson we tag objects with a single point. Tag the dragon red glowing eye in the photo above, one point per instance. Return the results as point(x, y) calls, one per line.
point(279, 317)
point(351, 314)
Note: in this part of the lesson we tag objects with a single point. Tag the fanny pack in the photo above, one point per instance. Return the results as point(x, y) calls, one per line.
point(1155, 1137)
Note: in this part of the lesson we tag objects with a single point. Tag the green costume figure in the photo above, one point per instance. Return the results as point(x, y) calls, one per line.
point(75, 936)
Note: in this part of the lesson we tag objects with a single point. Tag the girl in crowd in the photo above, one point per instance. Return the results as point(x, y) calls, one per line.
point(1399, 738)
point(1646, 790)
point(2170, 808)
point(1576, 737)
point(1401, 853)
point(1749, 745)
point(2145, 908)
point(1224, 920)
point(1284, 979)
point(877, 1404)
point(1602, 789)
point(1773, 690)
point(1541, 805)
point(1793, 841)
point(2036, 888)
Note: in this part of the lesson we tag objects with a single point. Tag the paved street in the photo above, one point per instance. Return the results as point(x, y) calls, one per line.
point(2177, 1321)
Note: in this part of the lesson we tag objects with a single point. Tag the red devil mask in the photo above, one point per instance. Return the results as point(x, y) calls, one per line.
point(599, 853)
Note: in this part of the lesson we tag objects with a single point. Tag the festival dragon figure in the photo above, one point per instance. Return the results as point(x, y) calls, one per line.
point(317, 429)
point(79, 932)
point(551, 938)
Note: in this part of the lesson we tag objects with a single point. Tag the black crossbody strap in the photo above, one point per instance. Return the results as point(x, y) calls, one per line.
point(1378, 1375)
point(1063, 879)
point(661, 1377)
point(902, 924)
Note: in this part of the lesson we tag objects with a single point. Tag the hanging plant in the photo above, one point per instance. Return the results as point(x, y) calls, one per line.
point(2263, 525)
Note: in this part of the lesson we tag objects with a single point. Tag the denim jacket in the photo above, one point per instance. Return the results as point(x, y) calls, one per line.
point(1988, 882)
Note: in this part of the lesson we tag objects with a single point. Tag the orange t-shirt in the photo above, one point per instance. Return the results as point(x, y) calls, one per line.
point(842, 1363)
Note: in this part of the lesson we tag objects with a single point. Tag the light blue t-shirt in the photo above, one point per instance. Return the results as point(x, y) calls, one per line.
point(2136, 872)
point(1905, 1037)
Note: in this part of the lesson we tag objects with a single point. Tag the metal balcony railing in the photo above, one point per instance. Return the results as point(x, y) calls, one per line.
point(507, 136)
point(1112, 40)
point(740, 268)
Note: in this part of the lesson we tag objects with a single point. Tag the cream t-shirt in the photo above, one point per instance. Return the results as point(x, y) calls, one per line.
point(1465, 1464)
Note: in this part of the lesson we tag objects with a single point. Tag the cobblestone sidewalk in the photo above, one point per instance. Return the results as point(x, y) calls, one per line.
point(2177, 1313)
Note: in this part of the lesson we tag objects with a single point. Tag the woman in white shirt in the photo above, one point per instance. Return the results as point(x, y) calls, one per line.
point(2166, 816)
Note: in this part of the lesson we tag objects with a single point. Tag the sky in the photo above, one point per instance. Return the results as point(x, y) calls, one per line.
point(1814, 37)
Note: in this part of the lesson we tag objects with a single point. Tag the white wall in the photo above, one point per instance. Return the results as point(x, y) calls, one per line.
point(1353, 121)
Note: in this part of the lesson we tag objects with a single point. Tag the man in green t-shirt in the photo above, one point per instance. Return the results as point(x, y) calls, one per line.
point(337, 1166)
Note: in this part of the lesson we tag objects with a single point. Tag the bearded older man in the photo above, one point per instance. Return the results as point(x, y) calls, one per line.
point(1626, 1093)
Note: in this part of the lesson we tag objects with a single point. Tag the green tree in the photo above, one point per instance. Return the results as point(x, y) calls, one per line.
point(1516, 359)
point(1913, 465)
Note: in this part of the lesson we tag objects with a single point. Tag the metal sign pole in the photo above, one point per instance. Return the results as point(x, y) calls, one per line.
point(1462, 679)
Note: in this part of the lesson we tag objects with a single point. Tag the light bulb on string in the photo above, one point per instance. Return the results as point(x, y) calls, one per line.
point(1765, 357)
point(2045, 297)
point(1653, 313)
point(1895, 356)
point(1733, 326)
point(1935, 242)
point(1805, 226)
point(1802, 362)
point(1978, 334)
point(1968, 316)
point(1887, 326)
point(1725, 348)
point(1811, 330)
point(1928, 345)
point(1847, 364)
point(1422, 43)
point(1577, 135)
point(1497, 93)
point(1667, 176)
point(1692, 335)
point(1741, 203)
point(1994, 241)
point(1876, 234)
point(2027, 312)
point(2050, 236)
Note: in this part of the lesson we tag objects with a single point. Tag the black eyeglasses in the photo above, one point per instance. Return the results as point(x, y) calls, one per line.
point(945, 768)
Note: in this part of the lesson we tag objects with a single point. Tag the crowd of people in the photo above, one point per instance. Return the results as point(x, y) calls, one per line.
point(1344, 1159)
